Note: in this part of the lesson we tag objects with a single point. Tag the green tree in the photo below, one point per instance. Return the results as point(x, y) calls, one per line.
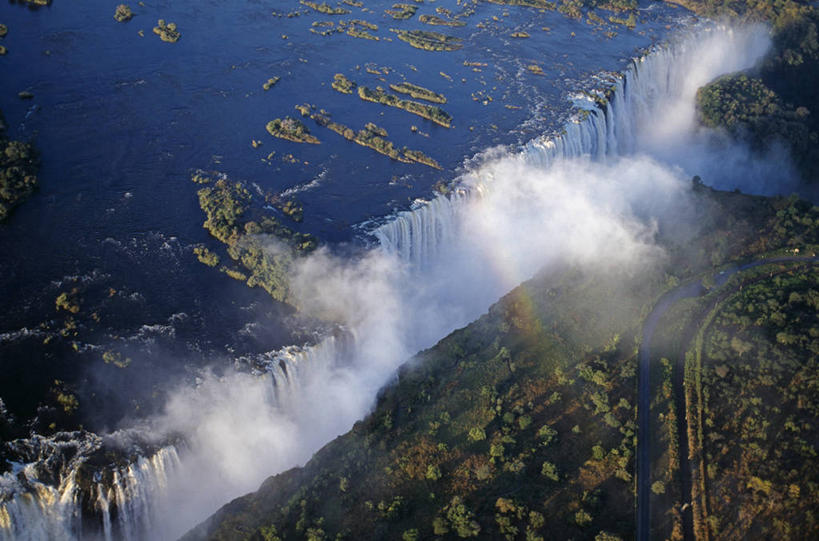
point(658, 487)
point(549, 471)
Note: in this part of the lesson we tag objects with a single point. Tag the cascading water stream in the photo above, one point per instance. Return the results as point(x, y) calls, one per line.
point(37, 506)
point(298, 398)
point(653, 97)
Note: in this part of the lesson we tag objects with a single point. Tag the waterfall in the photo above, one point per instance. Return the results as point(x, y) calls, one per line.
point(60, 495)
point(41, 497)
point(291, 367)
point(416, 233)
point(105, 508)
point(296, 398)
point(137, 491)
point(39, 511)
point(654, 95)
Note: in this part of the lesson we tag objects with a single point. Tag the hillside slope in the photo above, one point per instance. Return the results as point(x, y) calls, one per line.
point(521, 425)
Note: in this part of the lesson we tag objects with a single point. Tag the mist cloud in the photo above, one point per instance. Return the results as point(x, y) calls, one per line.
point(670, 131)
point(241, 428)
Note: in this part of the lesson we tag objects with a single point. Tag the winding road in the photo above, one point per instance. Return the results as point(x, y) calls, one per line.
point(687, 290)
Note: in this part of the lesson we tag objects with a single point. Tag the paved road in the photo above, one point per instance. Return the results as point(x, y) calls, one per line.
point(690, 289)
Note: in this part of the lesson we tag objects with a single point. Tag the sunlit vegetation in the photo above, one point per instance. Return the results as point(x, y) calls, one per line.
point(625, 11)
point(523, 424)
point(371, 136)
point(438, 21)
point(224, 203)
point(115, 358)
point(68, 301)
point(270, 83)
point(735, 99)
point(418, 92)
point(206, 256)
point(429, 41)
point(66, 399)
point(18, 172)
point(259, 243)
point(325, 8)
point(291, 129)
point(747, 108)
point(343, 84)
point(167, 31)
point(775, 103)
point(359, 29)
point(751, 372)
point(630, 21)
point(753, 225)
point(123, 13)
point(289, 207)
point(292, 210)
point(748, 225)
point(430, 112)
point(540, 4)
point(324, 28)
point(401, 11)
point(476, 439)
point(236, 274)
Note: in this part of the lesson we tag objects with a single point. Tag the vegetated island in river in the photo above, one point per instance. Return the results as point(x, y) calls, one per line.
point(371, 136)
point(524, 422)
point(430, 112)
point(356, 28)
point(438, 21)
point(343, 84)
point(418, 92)
point(576, 9)
point(123, 13)
point(359, 29)
point(401, 11)
point(291, 129)
point(270, 83)
point(167, 32)
point(18, 171)
point(428, 41)
point(324, 8)
point(248, 234)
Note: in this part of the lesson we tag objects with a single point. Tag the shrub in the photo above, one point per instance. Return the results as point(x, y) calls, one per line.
point(582, 518)
point(549, 471)
point(658, 487)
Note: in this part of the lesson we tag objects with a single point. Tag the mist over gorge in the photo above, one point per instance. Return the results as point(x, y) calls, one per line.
point(524, 211)
point(594, 197)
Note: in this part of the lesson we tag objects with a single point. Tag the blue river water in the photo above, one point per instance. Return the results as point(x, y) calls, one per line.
point(122, 119)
